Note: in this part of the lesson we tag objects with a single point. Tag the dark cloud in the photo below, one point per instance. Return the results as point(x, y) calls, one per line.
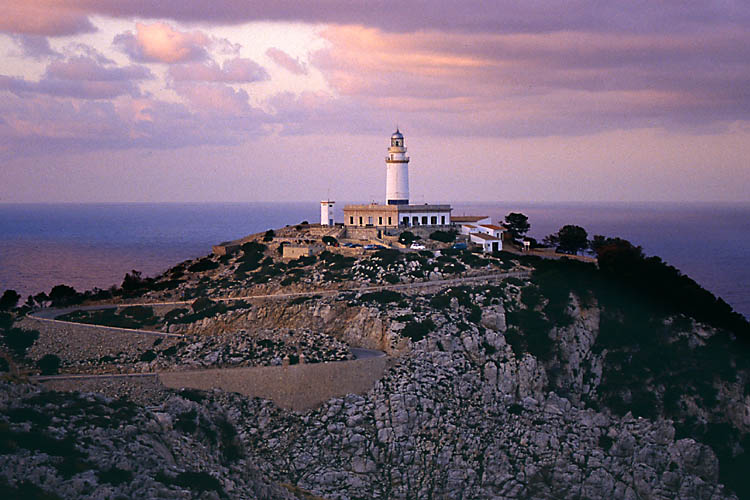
point(500, 16)
point(35, 46)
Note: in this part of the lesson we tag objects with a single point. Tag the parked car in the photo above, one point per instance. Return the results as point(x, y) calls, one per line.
point(460, 246)
point(371, 247)
point(418, 246)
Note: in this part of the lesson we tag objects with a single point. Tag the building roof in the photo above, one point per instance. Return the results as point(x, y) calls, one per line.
point(470, 226)
point(483, 236)
point(468, 218)
point(423, 208)
point(493, 227)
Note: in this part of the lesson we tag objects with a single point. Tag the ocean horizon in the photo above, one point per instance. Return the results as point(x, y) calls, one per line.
point(87, 245)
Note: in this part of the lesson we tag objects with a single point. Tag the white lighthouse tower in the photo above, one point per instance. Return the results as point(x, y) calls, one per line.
point(397, 172)
point(326, 213)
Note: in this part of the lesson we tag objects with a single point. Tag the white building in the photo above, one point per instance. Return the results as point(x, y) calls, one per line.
point(491, 229)
point(488, 242)
point(326, 213)
point(397, 172)
point(397, 212)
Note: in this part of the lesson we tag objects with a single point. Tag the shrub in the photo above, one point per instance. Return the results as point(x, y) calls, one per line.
point(198, 481)
point(406, 238)
point(9, 300)
point(381, 297)
point(269, 236)
point(201, 304)
point(174, 314)
point(64, 295)
point(417, 330)
point(4, 366)
point(330, 241)
point(204, 264)
point(115, 476)
point(444, 236)
point(148, 356)
point(18, 340)
point(440, 301)
point(139, 313)
point(49, 364)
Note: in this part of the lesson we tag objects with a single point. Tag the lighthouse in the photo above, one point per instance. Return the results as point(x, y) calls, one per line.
point(397, 172)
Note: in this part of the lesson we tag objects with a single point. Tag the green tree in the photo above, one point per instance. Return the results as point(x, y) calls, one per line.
point(9, 300)
point(517, 224)
point(569, 239)
point(406, 238)
point(63, 295)
point(330, 241)
point(269, 236)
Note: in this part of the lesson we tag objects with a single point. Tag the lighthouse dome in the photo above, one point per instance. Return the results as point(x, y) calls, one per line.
point(397, 135)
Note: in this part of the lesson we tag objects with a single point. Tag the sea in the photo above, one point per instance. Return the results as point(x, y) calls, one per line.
point(94, 245)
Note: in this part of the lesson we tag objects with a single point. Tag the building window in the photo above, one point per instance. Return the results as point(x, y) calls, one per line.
point(369, 221)
point(424, 219)
point(433, 220)
point(360, 221)
point(389, 221)
point(415, 221)
point(406, 221)
point(351, 220)
point(380, 221)
point(442, 220)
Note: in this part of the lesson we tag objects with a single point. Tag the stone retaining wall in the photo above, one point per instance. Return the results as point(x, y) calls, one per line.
point(295, 387)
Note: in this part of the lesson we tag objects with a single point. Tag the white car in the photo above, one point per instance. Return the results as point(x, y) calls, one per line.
point(417, 246)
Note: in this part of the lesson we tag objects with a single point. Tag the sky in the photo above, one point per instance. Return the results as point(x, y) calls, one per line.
point(239, 100)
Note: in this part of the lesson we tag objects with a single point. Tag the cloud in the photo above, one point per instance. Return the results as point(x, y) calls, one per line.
point(43, 18)
point(286, 61)
point(35, 46)
point(529, 84)
point(160, 42)
point(238, 70)
point(80, 77)
point(469, 16)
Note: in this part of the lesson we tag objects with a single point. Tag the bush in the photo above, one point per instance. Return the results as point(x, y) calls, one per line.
point(64, 295)
point(381, 297)
point(330, 241)
point(49, 364)
point(269, 236)
point(9, 300)
point(204, 264)
point(444, 236)
point(139, 313)
point(417, 330)
point(201, 304)
point(18, 341)
point(406, 238)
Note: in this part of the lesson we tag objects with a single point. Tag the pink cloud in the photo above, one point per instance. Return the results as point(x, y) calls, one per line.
point(233, 70)
point(160, 42)
point(39, 18)
point(286, 61)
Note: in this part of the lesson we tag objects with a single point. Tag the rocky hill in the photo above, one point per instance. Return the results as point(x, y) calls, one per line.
point(577, 382)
